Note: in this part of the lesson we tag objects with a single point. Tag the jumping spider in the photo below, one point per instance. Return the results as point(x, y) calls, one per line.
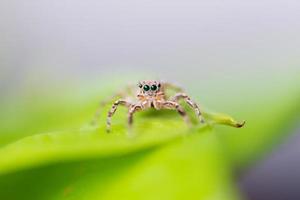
point(151, 94)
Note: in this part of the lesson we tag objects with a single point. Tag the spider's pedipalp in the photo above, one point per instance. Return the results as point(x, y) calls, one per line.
point(190, 102)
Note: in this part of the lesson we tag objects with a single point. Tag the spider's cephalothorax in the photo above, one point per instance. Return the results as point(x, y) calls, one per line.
point(151, 94)
point(150, 88)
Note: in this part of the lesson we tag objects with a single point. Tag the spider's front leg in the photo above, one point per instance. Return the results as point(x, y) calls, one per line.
point(113, 110)
point(128, 91)
point(175, 106)
point(190, 102)
point(132, 110)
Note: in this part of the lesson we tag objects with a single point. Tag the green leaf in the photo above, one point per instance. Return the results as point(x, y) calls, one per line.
point(42, 149)
point(164, 160)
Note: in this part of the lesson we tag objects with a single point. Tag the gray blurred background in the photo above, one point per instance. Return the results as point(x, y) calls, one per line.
point(74, 41)
point(64, 40)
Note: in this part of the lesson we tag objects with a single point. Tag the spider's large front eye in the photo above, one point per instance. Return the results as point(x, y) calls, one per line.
point(146, 87)
point(153, 87)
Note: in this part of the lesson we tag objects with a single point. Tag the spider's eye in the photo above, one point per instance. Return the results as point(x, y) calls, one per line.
point(140, 85)
point(153, 87)
point(146, 87)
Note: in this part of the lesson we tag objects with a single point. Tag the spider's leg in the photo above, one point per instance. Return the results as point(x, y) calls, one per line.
point(190, 102)
point(175, 106)
point(129, 90)
point(132, 110)
point(113, 110)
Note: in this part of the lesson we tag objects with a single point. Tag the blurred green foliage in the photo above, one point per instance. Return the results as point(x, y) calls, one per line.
point(48, 150)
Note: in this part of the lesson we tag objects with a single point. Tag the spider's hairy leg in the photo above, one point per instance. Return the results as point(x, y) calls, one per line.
point(132, 110)
point(113, 110)
point(190, 102)
point(129, 90)
point(175, 106)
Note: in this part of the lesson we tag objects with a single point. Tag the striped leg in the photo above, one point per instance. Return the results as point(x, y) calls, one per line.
point(96, 117)
point(127, 92)
point(190, 102)
point(180, 110)
point(132, 110)
point(113, 110)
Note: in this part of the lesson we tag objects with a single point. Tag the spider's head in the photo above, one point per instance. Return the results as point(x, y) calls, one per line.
point(150, 88)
